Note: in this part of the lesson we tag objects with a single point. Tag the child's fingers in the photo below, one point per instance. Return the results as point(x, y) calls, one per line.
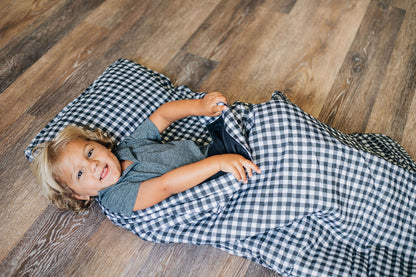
point(246, 169)
point(216, 110)
point(249, 172)
point(238, 166)
point(217, 98)
point(214, 103)
point(216, 94)
point(236, 175)
point(235, 170)
point(243, 174)
point(220, 108)
point(249, 165)
point(221, 99)
point(239, 173)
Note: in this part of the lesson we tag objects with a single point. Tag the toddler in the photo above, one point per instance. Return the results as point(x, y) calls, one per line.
point(79, 164)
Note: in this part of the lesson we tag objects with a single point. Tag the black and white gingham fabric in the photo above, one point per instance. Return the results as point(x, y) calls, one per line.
point(116, 102)
point(320, 207)
point(325, 204)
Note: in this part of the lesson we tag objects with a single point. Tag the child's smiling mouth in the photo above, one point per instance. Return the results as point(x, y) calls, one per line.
point(104, 172)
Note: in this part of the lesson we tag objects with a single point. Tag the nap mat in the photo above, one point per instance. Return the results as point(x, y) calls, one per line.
point(325, 204)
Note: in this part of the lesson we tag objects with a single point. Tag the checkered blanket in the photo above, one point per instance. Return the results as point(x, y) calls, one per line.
point(325, 204)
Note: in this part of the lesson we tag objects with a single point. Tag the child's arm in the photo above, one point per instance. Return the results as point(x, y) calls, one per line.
point(180, 179)
point(175, 110)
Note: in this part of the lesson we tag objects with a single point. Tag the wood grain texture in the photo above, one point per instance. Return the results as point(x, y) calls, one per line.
point(158, 38)
point(26, 16)
point(226, 22)
point(191, 70)
point(350, 63)
point(118, 249)
point(61, 233)
point(302, 62)
point(22, 53)
point(205, 260)
point(354, 92)
point(397, 90)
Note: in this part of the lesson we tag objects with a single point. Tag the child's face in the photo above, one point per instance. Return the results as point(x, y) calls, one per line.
point(89, 167)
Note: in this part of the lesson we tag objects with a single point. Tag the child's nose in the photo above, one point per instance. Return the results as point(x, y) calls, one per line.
point(93, 165)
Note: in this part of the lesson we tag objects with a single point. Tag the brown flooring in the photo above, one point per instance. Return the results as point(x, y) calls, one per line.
point(351, 64)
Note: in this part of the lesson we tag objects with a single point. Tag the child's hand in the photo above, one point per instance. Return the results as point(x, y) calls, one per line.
point(238, 166)
point(209, 104)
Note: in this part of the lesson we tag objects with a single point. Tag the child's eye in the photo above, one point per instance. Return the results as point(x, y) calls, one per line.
point(89, 154)
point(79, 174)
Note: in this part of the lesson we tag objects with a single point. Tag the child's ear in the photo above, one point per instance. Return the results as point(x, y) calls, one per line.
point(81, 197)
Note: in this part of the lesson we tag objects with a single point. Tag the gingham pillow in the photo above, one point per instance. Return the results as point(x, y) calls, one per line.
point(117, 102)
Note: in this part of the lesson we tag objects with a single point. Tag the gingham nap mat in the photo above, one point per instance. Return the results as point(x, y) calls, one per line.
point(325, 204)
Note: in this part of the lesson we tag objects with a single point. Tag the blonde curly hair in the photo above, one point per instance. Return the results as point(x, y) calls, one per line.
point(46, 166)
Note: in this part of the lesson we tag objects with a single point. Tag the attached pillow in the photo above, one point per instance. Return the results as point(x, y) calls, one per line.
point(118, 101)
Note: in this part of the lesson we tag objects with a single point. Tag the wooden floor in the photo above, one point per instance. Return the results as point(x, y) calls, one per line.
point(350, 63)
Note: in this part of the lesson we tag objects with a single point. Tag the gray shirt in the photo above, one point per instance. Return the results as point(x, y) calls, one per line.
point(151, 159)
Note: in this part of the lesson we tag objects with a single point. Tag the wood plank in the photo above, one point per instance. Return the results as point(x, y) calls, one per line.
point(166, 257)
point(285, 6)
point(185, 260)
point(25, 17)
point(302, 61)
point(213, 37)
point(20, 199)
point(18, 211)
point(120, 249)
point(359, 79)
point(211, 261)
point(409, 138)
point(397, 90)
point(23, 53)
point(308, 66)
point(248, 26)
point(407, 43)
point(154, 33)
point(260, 271)
point(189, 70)
point(58, 232)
